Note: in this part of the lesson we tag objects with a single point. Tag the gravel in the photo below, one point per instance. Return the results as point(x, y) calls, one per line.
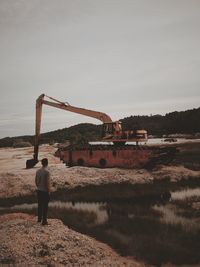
point(24, 242)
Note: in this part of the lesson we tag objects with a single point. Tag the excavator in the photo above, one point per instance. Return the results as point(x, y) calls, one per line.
point(111, 131)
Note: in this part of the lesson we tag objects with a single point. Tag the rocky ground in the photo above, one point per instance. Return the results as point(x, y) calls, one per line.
point(26, 243)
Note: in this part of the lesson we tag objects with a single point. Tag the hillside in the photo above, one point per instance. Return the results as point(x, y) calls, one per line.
point(184, 122)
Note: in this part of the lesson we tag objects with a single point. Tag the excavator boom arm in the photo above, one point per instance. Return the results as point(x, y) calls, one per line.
point(90, 113)
point(61, 105)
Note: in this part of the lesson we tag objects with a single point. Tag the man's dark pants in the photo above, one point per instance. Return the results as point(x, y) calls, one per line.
point(43, 201)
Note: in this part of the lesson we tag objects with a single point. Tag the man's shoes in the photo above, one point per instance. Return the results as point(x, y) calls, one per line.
point(44, 223)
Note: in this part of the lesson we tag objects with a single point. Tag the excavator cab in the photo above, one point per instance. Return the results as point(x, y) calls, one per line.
point(111, 129)
point(107, 129)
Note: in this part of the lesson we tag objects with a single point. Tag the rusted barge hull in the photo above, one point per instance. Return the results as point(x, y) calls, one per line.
point(109, 156)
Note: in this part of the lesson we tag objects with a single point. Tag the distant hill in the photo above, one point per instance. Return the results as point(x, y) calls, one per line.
point(185, 122)
point(78, 133)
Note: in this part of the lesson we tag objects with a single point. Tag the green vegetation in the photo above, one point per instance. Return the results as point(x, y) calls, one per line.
point(184, 122)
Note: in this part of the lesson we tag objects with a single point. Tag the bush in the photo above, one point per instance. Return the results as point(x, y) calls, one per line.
point(21, 144)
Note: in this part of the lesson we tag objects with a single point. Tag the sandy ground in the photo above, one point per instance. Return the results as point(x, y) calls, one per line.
point(16, 181)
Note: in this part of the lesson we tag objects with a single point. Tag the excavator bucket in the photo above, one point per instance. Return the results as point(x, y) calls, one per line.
point(30, 163)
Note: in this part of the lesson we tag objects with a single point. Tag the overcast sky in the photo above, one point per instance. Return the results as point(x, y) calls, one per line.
point(121, 57)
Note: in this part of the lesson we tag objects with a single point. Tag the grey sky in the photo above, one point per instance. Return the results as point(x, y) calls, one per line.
point(121, 57)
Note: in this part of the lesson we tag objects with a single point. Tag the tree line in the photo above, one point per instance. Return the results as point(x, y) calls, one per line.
point(183, 122)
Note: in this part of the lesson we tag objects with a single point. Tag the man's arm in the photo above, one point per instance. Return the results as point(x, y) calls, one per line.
point(49, 184)
point(36, 180)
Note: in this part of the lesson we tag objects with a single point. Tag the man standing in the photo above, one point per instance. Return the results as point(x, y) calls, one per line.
point(42, 181)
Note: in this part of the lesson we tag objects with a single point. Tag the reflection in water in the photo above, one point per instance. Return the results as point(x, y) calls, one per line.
point(185, 194)
point(170, 216)
point(150, 231)
point(98, 208)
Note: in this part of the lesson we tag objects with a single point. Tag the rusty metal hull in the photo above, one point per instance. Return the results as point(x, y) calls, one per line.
point(128, 156)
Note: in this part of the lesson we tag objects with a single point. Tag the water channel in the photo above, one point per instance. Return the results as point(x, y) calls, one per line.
point(149, 230)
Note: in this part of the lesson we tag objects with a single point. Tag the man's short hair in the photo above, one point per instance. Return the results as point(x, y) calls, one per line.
point(44, 162)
